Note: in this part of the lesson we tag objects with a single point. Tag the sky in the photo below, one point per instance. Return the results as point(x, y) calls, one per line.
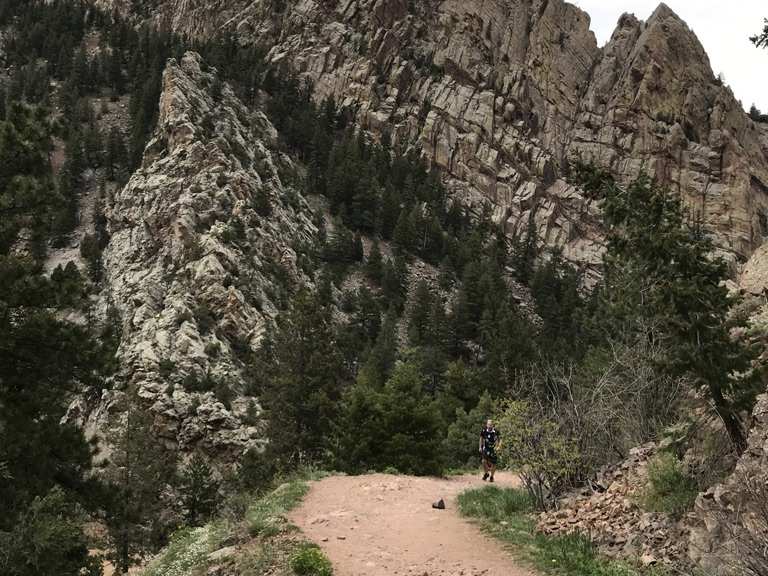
point(723, 28)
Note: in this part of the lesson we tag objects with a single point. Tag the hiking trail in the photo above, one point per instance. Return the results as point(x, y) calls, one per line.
point(384, 525)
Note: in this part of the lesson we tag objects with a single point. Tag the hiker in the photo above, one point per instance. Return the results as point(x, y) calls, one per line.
point(489, 442)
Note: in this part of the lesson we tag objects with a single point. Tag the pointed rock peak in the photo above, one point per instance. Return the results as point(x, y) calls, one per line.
point(663, 12)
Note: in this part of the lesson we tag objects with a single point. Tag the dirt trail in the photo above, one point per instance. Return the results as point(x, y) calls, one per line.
point(382, 525)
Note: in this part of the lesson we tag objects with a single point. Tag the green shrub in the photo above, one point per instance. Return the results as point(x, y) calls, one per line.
point(187, 550)
point(536, 447)
point(670, 489)
point(461, 442)
point(309, 560)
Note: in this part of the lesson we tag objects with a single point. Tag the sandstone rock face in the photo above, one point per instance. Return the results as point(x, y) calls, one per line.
point(730, 524)
point(503, 95)
point(196, 235)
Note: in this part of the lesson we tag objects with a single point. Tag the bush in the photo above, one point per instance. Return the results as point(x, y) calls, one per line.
point(670, 489)
point(309, 560)
point(187, 550)
point(48, 539)
point(536, 447)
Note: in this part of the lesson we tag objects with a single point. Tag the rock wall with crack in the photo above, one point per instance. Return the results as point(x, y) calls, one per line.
point(197, 236)
point(502, 95)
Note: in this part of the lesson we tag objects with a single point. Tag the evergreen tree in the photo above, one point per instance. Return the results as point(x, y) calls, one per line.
point(404, 235)
point(395, 281)
point(381, 359)
point(421, 307)
point(306, 379)
point(139, 474)
point(374, 264)
point(199, 489)
point(395, 426)
point(44, 463)
point(390, 212)
point(660, 276)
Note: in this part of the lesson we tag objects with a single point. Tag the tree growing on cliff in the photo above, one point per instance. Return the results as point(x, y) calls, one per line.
point(660, 272)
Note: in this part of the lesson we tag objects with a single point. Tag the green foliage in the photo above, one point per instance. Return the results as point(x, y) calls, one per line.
point(397, 425)
point(309, 560)
point(670, 489)
point(537, 448)
point(659, 275)
point(46, 463)
point(47, 538)
point(305, 377)
point(137, 478)
point(199, 490)
point(461, 442)
point(555, 286)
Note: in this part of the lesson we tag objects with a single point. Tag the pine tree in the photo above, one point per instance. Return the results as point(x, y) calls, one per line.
point(397, 425)
point(404, 236)
point(418, 322)
point(199, 489)
point(390, 212)
point(381, 359)
point(660, 275)
point(139, 472)
point(307, 377)
point(395, 281)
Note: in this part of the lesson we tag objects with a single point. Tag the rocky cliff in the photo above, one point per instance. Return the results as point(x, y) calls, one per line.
point(503, 95)
point(197, 236)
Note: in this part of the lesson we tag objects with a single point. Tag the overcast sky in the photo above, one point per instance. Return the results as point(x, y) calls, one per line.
point(723, 28)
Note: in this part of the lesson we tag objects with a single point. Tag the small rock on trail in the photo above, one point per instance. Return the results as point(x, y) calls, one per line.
point(383, 525)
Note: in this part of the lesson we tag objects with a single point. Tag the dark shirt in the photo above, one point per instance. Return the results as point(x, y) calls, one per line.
point(490, 436)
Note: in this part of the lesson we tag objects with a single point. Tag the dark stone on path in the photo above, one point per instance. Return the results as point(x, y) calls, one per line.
point(439, 505)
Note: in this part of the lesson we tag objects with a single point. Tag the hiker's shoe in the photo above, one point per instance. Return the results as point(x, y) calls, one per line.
point(485, 477)
point(491, 479)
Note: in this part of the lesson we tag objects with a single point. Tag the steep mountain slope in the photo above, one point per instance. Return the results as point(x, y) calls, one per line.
point(196, 236)
point(502, 95)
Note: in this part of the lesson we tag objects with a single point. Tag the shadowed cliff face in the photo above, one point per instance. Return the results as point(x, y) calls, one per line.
point(503, 95)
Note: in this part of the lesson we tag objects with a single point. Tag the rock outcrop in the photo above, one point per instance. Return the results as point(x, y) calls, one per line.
point(196, 236)
point(729, 528)
point(503, 95)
